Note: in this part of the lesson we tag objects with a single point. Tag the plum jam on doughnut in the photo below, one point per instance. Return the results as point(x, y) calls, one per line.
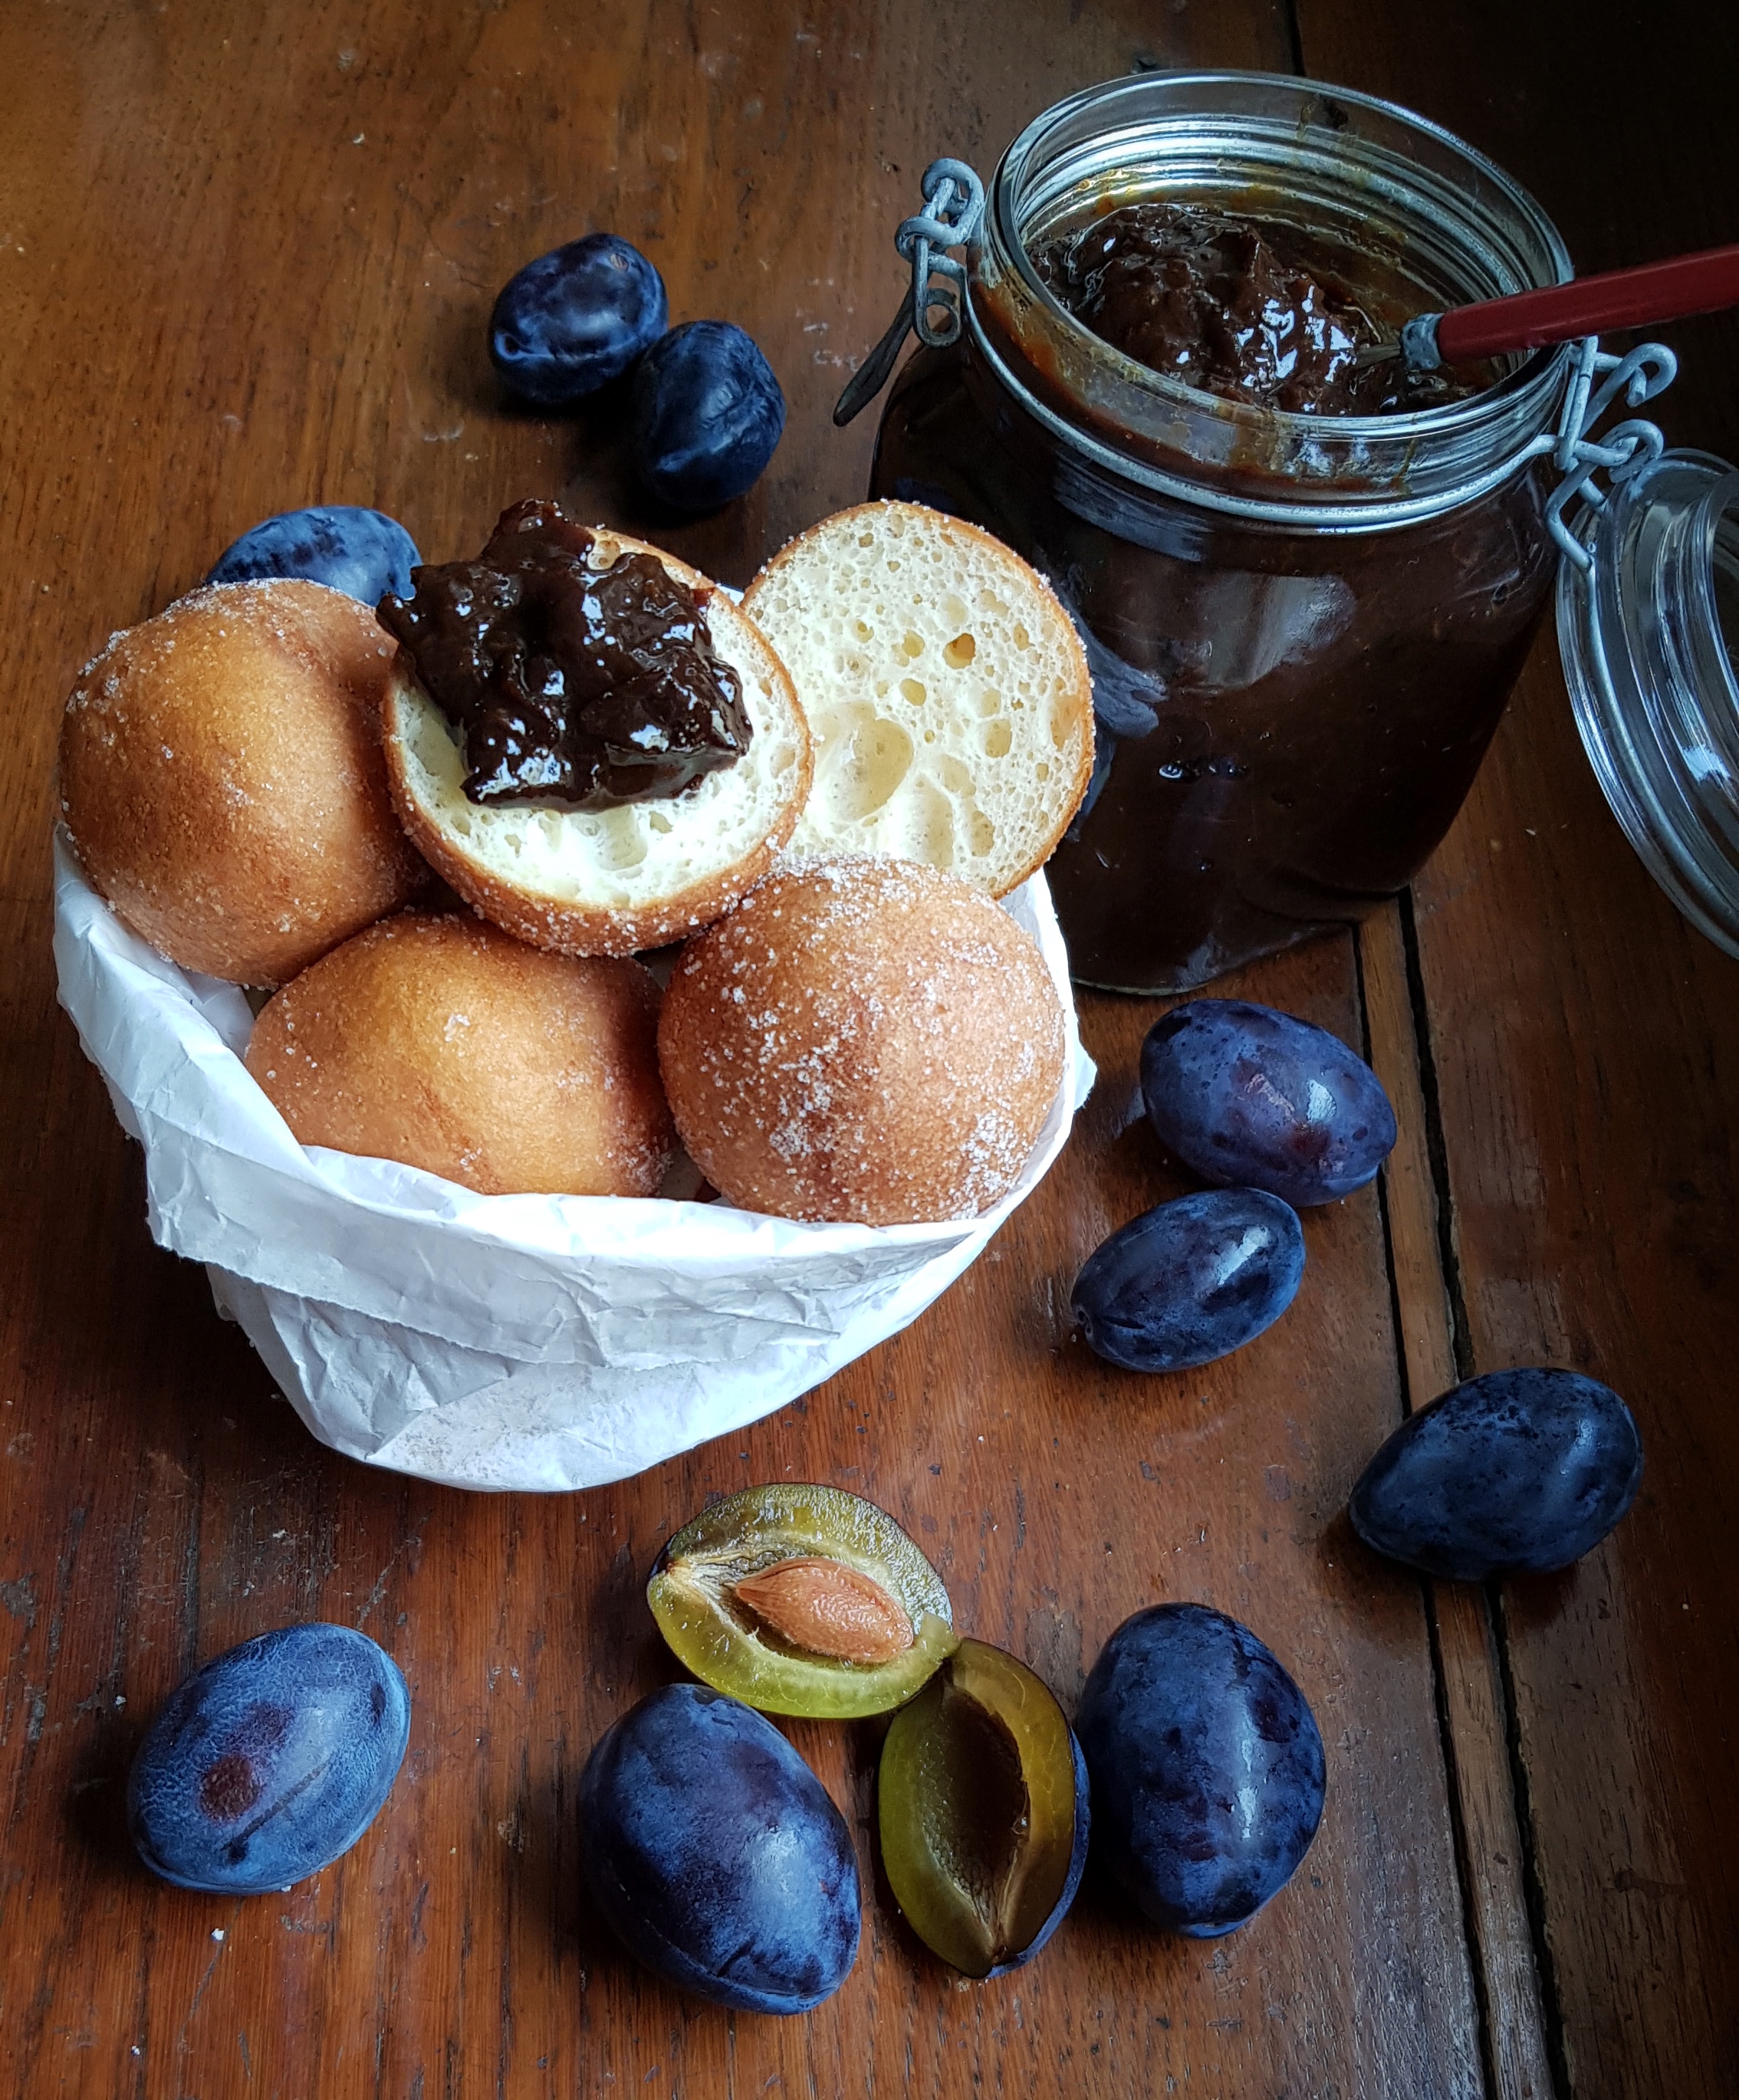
point(585, 687)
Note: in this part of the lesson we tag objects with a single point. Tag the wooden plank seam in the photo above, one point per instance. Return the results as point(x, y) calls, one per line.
point(1473, 1703)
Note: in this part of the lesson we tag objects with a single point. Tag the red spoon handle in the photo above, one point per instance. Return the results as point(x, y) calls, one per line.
point(1698, 283)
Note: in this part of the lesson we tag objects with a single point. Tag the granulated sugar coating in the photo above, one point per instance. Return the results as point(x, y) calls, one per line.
point(221, 776)
point(443, 1043)
point(862, 1039)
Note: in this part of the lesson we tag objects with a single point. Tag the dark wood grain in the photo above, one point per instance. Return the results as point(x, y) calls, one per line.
point(1585, 1045)
point(1491, 1856)
point(244, 267)
point(1054, 1494)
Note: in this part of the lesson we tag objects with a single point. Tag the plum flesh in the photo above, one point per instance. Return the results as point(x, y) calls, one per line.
point(982, 1806)
point(719, 1635)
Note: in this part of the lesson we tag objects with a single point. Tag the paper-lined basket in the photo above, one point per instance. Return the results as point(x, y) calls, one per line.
point(521, 1342)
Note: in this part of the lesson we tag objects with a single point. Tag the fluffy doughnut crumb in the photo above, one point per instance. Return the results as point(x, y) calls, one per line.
point(862, 1039)
point(945, 686)
point(447, 1044)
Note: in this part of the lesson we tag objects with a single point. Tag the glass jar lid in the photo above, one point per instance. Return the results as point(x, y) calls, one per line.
point(1649, 636)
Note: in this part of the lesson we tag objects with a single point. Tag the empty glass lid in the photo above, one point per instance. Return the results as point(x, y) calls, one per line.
point(1649, 636)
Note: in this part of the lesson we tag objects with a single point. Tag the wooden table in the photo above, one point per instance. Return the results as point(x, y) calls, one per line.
point(243, 268)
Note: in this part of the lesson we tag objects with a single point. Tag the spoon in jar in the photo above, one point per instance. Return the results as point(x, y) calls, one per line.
point(1700, 283)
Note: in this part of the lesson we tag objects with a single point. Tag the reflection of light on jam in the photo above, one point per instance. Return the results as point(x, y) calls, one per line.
point(575, 675)
point(1243, 304)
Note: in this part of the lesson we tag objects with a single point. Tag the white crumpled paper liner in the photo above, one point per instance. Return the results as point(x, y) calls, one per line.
point(530, 1342)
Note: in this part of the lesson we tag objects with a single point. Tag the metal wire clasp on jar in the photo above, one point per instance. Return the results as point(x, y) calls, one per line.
point(1303, 627)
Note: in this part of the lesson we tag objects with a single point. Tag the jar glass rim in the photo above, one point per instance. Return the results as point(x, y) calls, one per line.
point(1651, 677)
point(1525, 396)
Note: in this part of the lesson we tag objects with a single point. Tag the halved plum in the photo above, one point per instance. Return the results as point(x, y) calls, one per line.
point(982, 1803)
point(803, 1600)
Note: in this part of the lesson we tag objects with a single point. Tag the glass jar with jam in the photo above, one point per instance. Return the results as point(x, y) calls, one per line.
point(1306, 579)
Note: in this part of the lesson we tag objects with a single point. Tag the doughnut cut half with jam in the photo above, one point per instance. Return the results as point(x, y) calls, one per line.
point(612, 882)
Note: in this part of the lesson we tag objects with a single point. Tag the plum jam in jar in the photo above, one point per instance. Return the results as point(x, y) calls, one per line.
point(1306, 595)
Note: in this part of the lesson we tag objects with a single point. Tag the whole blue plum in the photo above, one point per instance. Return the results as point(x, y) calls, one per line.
point(1255, 1099)
point(707, 413)
point(716, 1855)
point(269, 1761)
point(363, 553)
point(1205, 1764)
point(573, 319)
point(1191, 1280)
point(1517, 1470)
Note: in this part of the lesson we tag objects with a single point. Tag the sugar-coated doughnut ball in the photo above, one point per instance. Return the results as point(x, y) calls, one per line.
point(862, 1039)
point(222, 779)
point(445, 1044)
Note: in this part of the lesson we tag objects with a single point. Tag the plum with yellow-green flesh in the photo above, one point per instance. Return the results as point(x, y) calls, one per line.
point(982, 1803)
point(803, 1600)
